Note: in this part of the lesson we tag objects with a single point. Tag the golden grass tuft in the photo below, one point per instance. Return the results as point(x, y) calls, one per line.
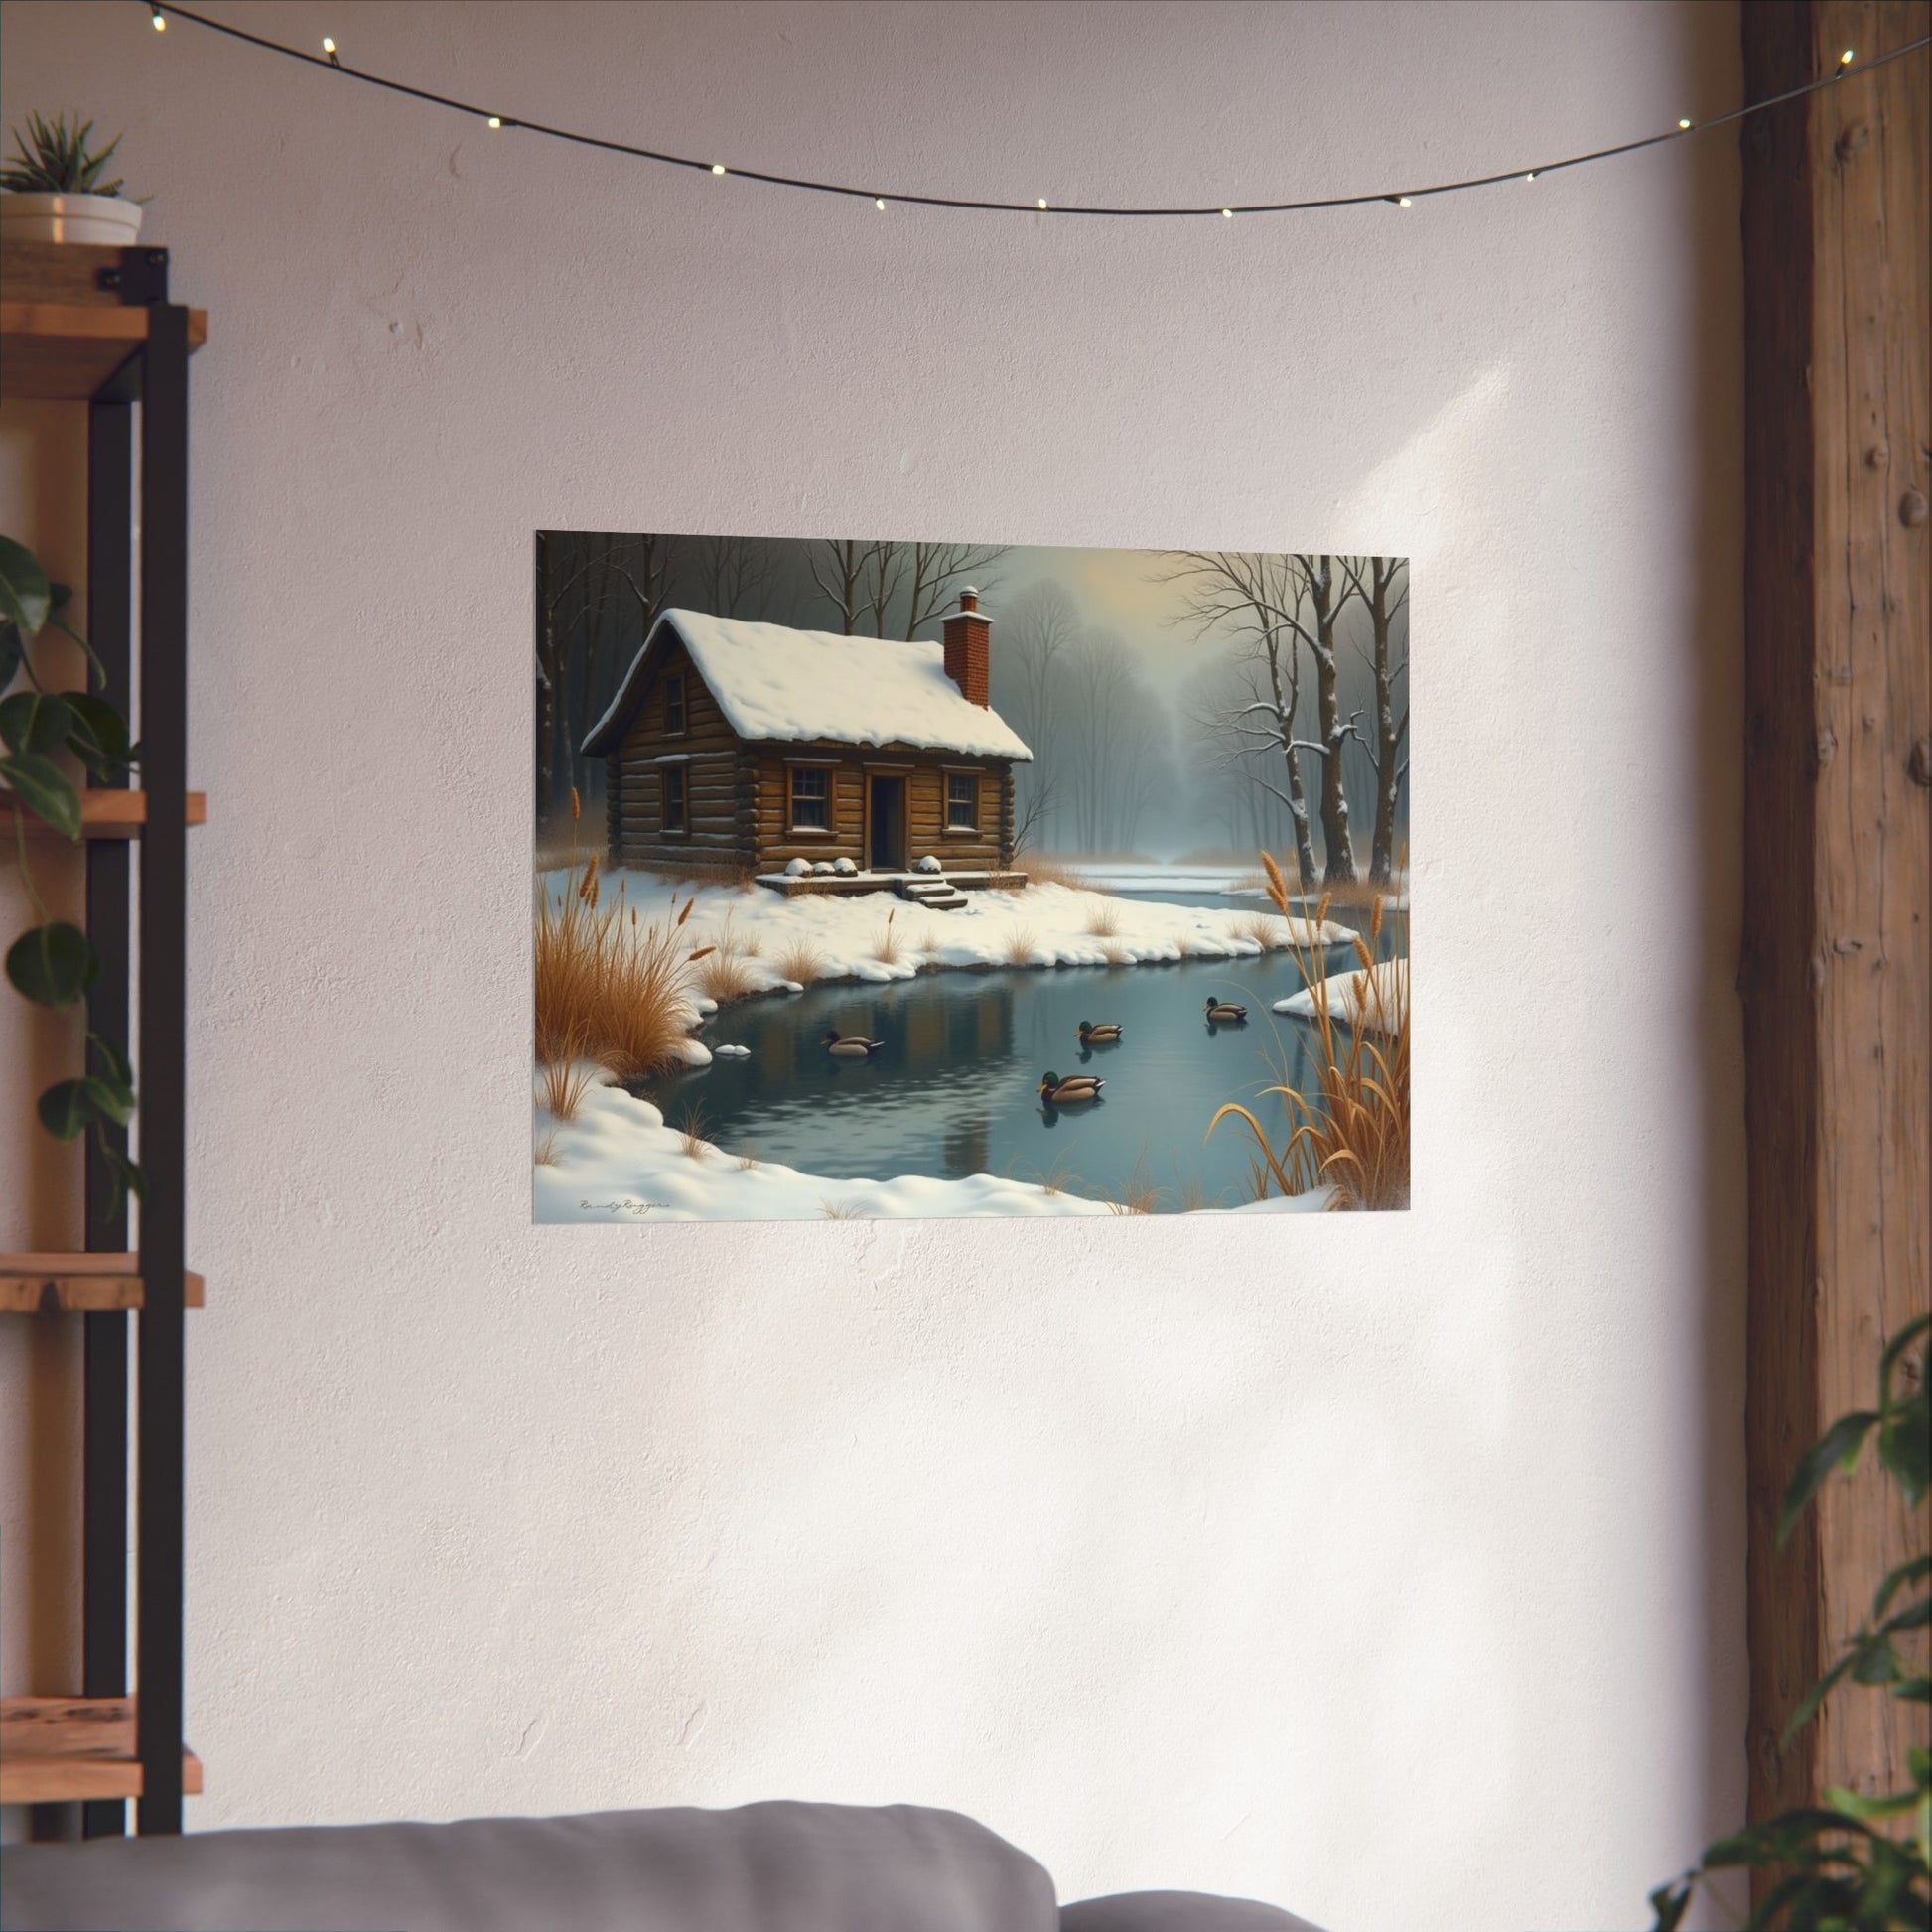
point(1103, 922)
point(890, 948)
point(562, 1083)
point(1116, 955)
point(609, 989)
point(1043, 871)
point(832, 1211)
point(1263, 928)
point(690, 1133)
point(1353, 1134)
point(1019, 946)
point(544, 1154)
point(802, 961)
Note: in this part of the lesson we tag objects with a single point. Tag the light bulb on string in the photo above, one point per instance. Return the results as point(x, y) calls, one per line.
point(329, 48)
point(496, 120)
point(1228, 214)
point(717, 167)
point(160, 20)
point(1531, 176)
point(1844, 59)
point(1403, 201)
point(1042, 207)
point(879, 202)
point(1684, 127)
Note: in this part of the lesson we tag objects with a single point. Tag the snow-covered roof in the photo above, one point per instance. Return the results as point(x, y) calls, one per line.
point(795, 686)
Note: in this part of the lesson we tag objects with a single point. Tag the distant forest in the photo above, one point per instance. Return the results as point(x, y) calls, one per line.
point(1290, 734)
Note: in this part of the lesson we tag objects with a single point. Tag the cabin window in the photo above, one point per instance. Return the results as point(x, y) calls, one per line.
point(962, 801)
point(812, 799)
point(674, 706)
point(673, 781)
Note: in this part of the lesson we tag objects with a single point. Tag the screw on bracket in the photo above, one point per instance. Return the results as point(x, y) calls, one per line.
point(140, 277)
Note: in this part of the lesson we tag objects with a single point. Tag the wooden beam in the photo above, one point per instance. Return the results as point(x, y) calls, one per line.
point(34, 1284)
point(104, 815)
point(1837, 968)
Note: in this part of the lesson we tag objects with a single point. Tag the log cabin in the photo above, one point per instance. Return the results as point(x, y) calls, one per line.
point(737, 748)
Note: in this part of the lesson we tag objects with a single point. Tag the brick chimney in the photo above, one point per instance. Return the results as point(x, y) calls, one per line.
point(968, 634)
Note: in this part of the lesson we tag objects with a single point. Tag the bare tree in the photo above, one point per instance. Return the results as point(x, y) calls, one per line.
point(1033, 811)
point(1325, 597)
point(734, 576)
point(932, 569)
point(1254, 597)
point(839, 571)
point(1028, 679)
point(884, 570)
point(1375, 582)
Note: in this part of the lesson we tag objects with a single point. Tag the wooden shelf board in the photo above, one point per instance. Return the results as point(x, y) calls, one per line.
point(79, 1282)
point(55, 351)
point(59, 1750)
point(104, 815)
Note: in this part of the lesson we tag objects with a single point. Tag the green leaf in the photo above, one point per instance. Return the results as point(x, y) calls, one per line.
point(110, 1099)
point(65, 1109)
point(1813, 1697)
point(1670, 1902)
point(54, 965)
point(31, 720)
point(1836, 1448)
point(1905, 1444)
point(25, 595)
point(1888, 1804)
point(1896, 1348)
point(10, 652)
point(98, 734)
point(1908, 1572)
point(126, 1178)
point(118, 1066)
point(45, 789)
point(1875, 1662)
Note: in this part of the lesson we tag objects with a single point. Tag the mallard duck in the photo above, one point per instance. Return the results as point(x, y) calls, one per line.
point(1069, 1092)
point(1103, 1035)
point(1225, 1011)
point(851, 1047)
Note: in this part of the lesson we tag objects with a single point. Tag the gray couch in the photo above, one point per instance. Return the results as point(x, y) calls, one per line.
point(777, 1867)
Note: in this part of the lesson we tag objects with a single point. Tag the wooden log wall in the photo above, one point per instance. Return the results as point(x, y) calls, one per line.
point(1837, 972)
point(707, 751)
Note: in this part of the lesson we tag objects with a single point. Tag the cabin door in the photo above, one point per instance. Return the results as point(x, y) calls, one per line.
point(887, 852)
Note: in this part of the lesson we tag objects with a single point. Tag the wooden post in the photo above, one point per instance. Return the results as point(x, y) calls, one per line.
point(1837, 970)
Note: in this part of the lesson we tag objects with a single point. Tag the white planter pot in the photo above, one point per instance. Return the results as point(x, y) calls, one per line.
point(105, 219)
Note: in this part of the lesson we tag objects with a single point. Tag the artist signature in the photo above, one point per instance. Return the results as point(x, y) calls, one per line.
point(630, 1204)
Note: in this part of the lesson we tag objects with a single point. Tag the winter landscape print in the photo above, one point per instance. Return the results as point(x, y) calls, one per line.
point(885, 878)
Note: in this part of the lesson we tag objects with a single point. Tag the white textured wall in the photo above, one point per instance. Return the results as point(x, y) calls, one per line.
point(1389, 1569)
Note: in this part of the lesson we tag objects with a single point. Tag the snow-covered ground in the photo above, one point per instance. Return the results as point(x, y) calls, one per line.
point(848, 937)
point(1347, 991)
point(616, 1161)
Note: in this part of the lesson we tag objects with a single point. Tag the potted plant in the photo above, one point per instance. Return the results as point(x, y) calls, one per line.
point(53, 190)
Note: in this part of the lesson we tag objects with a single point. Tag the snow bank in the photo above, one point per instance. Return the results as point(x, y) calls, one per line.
point(1347, 991)
point(1040, 926)
point(618, 1160)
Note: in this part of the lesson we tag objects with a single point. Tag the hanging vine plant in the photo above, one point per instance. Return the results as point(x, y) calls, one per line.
point(53, 963)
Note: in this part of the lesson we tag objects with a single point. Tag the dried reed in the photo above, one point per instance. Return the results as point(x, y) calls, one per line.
point(1353, 1135)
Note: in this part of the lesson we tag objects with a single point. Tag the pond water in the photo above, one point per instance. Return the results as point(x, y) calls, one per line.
point(954, 1090)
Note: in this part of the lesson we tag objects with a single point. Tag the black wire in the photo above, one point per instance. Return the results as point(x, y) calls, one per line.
point(333, 62)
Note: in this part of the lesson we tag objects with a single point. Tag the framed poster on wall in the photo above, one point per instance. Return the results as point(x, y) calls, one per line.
point(889, 880)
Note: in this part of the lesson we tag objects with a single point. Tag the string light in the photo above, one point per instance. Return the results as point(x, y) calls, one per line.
point(1306, 204)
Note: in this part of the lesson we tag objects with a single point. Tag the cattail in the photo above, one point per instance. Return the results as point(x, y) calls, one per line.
point(1276, 884)
point(689, 903)
point(700, 953)
point(576, 807)
point(1375, 918)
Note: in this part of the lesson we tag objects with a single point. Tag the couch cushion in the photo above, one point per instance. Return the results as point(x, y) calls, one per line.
point(772, 1868)
point(1176, 1911)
